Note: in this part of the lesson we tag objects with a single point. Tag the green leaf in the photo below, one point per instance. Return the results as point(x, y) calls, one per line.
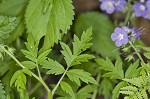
point(78, 47)
point(82, 58)
point(105, 64)
point(32, 49)
point(102, 30)
point(12, 7)
point(76, 75)
point(113, 71)
point(132, 70)
point(67, 53)
point(19, 79)
point(18, 31)
point(2, 92)
point(29, 64)
point(84, 93)
point(7, 25)
point(57, 16)
point(106, 87)
point(55, 67)
point(117, 89)
point(81, 45)
point(147, 55)
point(67, 88)
point(42, 56)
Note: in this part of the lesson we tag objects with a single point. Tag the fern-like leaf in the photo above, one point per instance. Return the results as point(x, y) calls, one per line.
point(2, 92)
point(137, 88)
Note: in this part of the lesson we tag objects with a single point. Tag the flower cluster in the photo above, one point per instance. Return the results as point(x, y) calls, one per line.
point(124, 34)
point(142, 9)
point(112, 5)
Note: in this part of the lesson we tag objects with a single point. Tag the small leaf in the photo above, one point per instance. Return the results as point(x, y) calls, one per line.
point(76, 75)
point(117, 89)
point(2, 92)
point(55, 67)
point(19, 79)
point(67, 88)
point(42, 56)
point(132, 70)
point(29, 64)
point(147, 55)
point(67, 53)
point(84, 93)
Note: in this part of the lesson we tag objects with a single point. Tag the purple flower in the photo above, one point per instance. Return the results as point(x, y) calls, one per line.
point(120, 5)
point(142, 9)
point(112, 5)
point(124, 34)
point(139, 9)
point(108, 6)
point(120, 37)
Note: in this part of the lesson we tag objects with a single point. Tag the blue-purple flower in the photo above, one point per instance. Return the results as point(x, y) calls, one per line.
point(142, 9)
point(111, 6)
point(120, 37)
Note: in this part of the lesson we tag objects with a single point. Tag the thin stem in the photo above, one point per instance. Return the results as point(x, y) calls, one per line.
point(37, 86)
point(38, 70)
point(95, 92)
point(128, 13)
point(136, 52)
point(53, 91)
point(35, 76)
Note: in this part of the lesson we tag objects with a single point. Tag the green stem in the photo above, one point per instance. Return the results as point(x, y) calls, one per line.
point(136, 52)
point(38, 70)
point(128, 13)
point(53, 91)
point(95, 92)
point(37, 86)
point(35, 76)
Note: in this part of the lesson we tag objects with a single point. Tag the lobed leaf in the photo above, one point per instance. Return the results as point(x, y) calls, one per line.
point(53, 66)
point(67, 88)
point(76, 75)
point(48, 18)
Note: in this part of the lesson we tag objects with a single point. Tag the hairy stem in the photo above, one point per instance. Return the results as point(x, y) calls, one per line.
point(95, 92)
point(53, 91)
point(136, 52)
point(35, 76)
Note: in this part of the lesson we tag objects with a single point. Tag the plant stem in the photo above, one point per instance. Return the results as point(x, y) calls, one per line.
point(38, 70)
point(37, 86)
point(35, 76)
point(53, 91)
point(136, 52)
point(95, 92)
point(128, 13)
